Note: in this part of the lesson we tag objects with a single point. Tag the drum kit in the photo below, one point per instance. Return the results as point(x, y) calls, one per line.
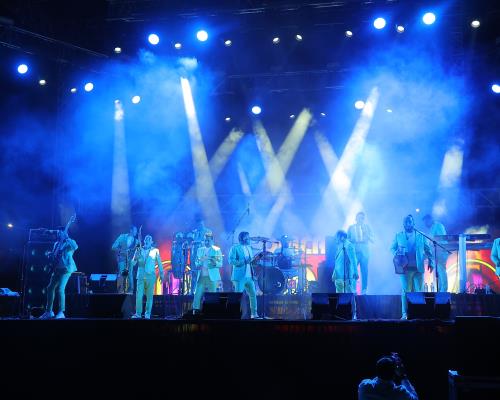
point(276, 271)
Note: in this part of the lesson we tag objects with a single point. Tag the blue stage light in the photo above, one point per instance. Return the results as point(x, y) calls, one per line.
point(154, 39)
point(202, 36)
point(136, 99)
point(22, 69)
point(379, 23)
point(429, 18)
point(496, 88)
point(256, 110)
point(88, 86)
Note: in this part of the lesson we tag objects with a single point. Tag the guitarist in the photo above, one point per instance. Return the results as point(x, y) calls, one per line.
point(124, 246)
point(243, 276)
point(64, 265)
point(208, 262)
point(414, 248)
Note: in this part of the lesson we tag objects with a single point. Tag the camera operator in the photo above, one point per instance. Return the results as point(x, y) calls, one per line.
point(390, 383)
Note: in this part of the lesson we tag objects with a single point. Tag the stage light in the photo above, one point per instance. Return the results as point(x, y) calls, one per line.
point(42, 82)
point(227, 119)
point(429, 18)
point(389, 110)
point(73, 90)
point(22, 69)
point(298, 38)
point(10, 226)
point(417, 210)
point(202, 36)
point(276, 40)
point(348, 33)
point(292, 116)
point(118, 50)
point(154, 39)
point(496, 88)
point(379, 23)
point(228, 43)
point(89, 86)
point(256, 110)
point(178, 46)
point(475, 23)
point(136, 99)
point(322, 114)
point(359, 105)
point(400, 28)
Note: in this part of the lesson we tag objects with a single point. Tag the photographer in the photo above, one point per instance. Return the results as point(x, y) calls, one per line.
point(390, 383)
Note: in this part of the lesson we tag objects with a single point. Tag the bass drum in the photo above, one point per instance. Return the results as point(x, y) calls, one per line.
point(271, 280)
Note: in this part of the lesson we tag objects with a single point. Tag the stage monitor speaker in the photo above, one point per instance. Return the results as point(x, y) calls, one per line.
point(332, 306)
point(225, 305)
point(429, 305)
point(110, 305)
point(103, 283)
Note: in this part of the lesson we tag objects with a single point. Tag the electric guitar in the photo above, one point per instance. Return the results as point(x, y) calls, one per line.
point(55, 255)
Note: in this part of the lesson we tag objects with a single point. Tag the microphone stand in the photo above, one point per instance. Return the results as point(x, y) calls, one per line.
point(231, 234)
point(436, 244)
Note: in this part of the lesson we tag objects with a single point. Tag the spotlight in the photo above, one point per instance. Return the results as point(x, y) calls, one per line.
point(228, 43)
point(22, 69)
point(73, 90)
point(496, 88)
point(154, 39)
point(42, 82)
point(227, 119)
point(292, 116)
point(118, 50)
point(136, 99)
point(256, 110)
point(202, 36)
point(178, 46)
point(89, 86)
point(276, 40)
point(10, 226)
point(348, 33)
point(322, 114)
point(359, 105)
point(429, 18)
point(475, 23)
point(298, 38)
point(400, 28)
point(379, 23)
point(117, 101)
point(417, 210)
point(389, 110)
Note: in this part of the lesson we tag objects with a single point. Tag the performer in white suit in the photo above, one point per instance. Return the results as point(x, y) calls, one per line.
point(209, 262)
point(361, 235)
point(416, 248)
point(345, 273)
point(435, 228)
point(147, 258)
point(243, 278)
point(495, 255)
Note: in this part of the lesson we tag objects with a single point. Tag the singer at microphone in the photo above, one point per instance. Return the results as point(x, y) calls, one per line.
point(345, 273)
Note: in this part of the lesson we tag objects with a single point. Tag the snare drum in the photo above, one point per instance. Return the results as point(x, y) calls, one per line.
point(266, 259)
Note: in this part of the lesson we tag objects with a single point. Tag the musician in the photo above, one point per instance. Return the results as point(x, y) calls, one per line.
point(361, 235)
point(495, 254)
point(208, 261)
point(243, 277)
point(62, 252)
point(147, 258)
point(435, 228)
point(345, 273)
point(198, 236)
point(416, 248)
point(124, 246)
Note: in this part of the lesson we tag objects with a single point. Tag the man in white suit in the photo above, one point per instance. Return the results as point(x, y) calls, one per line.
point(124, 246)
point(361, 235)
point(242, 276)
point(208, 262)
point(416, 248)
point(435, 228)
point(345, 273)
point(495, 255)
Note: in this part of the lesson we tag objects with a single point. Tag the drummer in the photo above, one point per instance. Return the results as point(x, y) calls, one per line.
point(286, 258)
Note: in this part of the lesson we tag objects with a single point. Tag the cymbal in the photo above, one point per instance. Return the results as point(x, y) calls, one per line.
point(260, 239)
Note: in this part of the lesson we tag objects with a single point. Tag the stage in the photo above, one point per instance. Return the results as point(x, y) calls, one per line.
point(268, 359)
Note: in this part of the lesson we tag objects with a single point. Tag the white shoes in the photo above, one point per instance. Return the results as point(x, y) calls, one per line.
point(147, 316)
point(136, 316)
point(254, 316)
point(47, 315)
point(60, 315)
point(404, 316)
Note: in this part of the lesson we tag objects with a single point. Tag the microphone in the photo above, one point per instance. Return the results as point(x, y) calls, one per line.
point(248, 208)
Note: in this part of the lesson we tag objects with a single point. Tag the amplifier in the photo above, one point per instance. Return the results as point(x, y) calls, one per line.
point(42, 235)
